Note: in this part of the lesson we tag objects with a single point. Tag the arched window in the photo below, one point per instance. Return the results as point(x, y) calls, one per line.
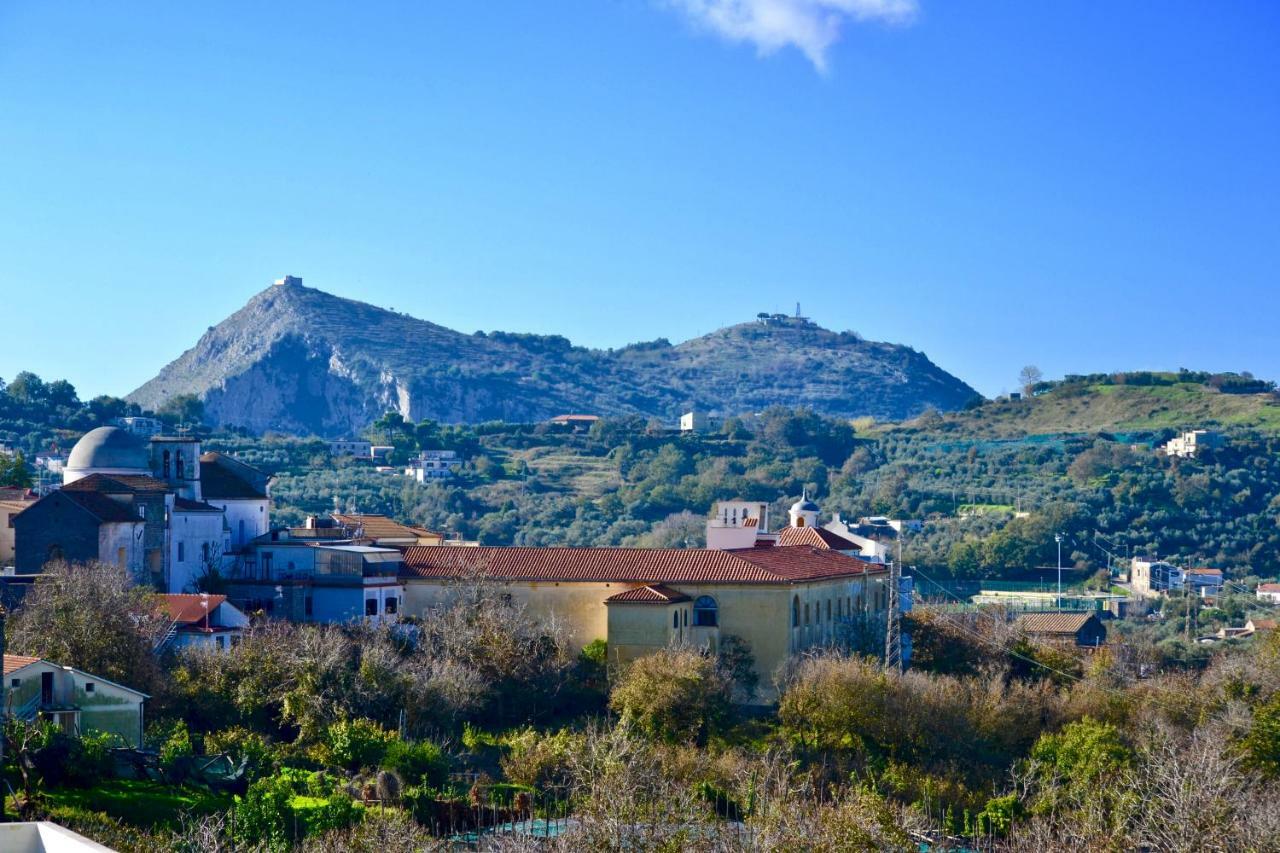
point(675, 619)
point(180, 470)
point(705, 612)
point(806, 613)
point(795, 611)
point(828, 610)
point(799, 521)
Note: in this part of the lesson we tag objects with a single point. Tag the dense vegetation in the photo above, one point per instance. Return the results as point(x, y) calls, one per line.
point(478, 715)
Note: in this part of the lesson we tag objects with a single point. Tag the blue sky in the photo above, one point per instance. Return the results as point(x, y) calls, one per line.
point(1083, 186)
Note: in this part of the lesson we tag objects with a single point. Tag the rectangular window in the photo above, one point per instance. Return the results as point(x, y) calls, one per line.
point(308, 605)
point(371, 607)
point(89, 686)
point(15, 683)
point(392, 604)
point(182, 551)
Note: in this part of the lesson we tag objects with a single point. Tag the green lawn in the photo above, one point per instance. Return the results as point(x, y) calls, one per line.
point(137, 803)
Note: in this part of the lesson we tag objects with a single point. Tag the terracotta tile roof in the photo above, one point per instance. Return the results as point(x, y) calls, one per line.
point(376, 526)
point(1053, 623)
point(13, 663)
point(186, 609)
point(636, 565)
point(815, 537)
point(750, 522)
point(651, 594)
point(218, 481)
point(1263, 624)
point(102, 507)
point(1269, 587)
point(1216, 572)
point(118, 483)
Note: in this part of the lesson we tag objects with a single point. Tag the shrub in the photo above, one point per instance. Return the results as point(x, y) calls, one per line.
point(358, 743)
point(244, 744)
point(263, 815)
point(538, 759)
point(176, 746)
point(336, 812)
point(417, 763)
point(674, 694)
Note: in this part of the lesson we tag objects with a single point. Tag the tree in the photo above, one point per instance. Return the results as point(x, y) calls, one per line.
point(27, 387)
point(182, 409)
point(1029, 377)
point(91, 616)
point(14, 472)
point(676, 694)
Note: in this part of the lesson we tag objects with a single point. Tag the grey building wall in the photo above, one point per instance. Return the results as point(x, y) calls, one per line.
point(55, 524)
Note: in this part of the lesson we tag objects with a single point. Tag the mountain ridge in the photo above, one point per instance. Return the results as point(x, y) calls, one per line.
point(296, 359)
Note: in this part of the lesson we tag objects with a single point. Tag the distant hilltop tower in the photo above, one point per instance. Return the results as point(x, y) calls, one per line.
point(289, 280)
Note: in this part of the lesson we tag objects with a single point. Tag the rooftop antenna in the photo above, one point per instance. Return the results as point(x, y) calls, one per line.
point(797, 310)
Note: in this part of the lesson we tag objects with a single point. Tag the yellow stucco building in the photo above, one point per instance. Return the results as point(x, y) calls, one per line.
point(780, 599)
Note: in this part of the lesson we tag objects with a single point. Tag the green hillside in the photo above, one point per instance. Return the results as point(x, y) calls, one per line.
point(1172, 402)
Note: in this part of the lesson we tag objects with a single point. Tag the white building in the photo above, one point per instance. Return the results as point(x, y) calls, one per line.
point(1187, 445)
point(434, 465)
point(1269, 592)
point(141, 504)
point(696, 422)
point(739, 524)
point(140, 426)
point(875, 541)
point(242, 492)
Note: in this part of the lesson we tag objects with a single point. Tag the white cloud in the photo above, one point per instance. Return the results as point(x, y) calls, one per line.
point(810, 25)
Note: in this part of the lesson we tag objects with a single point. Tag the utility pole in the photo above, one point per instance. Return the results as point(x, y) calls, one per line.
point(893, 619)
point(1057, 537)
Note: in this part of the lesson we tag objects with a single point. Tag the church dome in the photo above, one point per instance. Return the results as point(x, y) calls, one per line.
point(804, 505)
point(109, 450)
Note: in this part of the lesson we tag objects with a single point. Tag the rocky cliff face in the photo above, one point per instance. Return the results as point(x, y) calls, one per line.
point(298, 360)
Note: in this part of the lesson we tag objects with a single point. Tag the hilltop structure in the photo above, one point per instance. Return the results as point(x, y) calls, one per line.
point(295, 359)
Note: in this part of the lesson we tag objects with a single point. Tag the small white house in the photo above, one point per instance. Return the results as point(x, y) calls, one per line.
point(434, 465)
point(696, 422)
point(202, 621)
point(75, 701)
point(1269, 592)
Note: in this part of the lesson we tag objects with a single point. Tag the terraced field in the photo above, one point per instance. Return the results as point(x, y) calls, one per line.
point(563, 470)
